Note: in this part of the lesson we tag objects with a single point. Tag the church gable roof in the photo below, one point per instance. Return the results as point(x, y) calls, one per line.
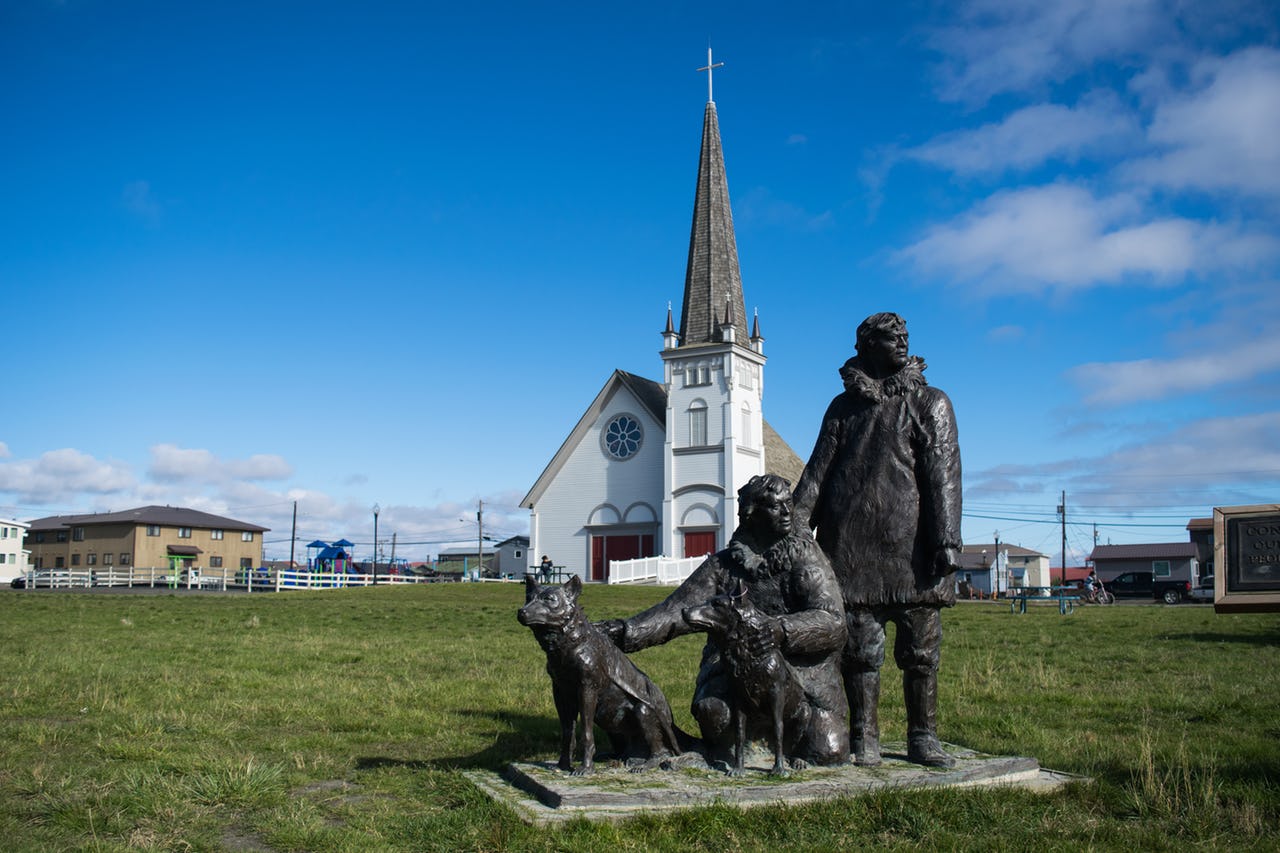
point(713, 282)
point(651, 397)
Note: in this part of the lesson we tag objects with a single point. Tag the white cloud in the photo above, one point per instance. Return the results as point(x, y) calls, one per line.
point(1224, 450)
point(1119, 383)
point(1211, 461)
point(1032, 136)
point(171, 463)
point(1235, 342)
point(1001, 46)
point(1063, 236)
point(1224, 135)
point(4, 451)
point(60, 476)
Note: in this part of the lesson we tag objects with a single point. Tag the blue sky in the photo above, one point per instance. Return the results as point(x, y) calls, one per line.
point(339, 253)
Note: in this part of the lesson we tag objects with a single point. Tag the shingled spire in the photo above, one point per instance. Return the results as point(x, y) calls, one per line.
point(712, 278)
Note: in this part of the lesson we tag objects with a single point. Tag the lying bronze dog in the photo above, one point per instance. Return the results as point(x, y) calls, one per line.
point(591, 678)
point(766, 689)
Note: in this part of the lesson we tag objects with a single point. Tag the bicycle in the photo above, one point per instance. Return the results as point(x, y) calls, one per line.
point(1098, 595)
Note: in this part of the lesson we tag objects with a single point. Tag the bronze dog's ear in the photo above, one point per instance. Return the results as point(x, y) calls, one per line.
point(530, 589)
point(573, 586)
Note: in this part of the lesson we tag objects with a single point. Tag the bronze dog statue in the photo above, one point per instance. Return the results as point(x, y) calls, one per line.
point(593, 680)
point(766, 689)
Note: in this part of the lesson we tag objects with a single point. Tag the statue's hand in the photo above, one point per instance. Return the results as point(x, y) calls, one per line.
point(946, 561)
point(614, 629)
point(766, 637)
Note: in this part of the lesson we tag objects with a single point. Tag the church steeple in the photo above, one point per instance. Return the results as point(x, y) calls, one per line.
point(712, 278)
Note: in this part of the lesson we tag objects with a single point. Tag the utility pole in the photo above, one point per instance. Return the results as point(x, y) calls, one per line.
point(393, 549)
point(1062, 510)
point(998, 576)
point(480, 539)
point(293, 536)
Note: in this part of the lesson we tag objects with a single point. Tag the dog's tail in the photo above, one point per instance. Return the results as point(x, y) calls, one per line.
point(688, 742)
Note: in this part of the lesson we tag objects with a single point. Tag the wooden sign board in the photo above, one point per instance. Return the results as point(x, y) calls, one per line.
point(1246, 557)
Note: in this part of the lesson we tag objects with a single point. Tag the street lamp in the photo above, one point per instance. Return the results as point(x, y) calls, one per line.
point(376, 510)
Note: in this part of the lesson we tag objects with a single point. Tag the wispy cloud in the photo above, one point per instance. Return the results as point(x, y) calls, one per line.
point(1031, 136)
point(998, 46)
point(171, 463)
point(1222, 135)
point(1062, 236)
point(760, 207)
point(1126, 382)
point(60, 476)
point(1227, 459)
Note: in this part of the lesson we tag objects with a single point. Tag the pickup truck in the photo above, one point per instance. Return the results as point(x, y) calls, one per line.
point(1145, 585)
point(1203, 592)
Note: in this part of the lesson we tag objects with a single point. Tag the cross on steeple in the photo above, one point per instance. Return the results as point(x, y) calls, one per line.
point(708, 68)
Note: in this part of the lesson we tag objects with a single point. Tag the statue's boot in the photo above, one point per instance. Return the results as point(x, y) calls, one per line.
point(923, 747)
point(863, 691)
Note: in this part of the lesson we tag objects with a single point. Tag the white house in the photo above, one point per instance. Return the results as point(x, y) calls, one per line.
point(14, 559)
point(653, 468)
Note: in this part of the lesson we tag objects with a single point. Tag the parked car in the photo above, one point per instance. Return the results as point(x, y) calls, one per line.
point(1131, 585)
point(1145, 585)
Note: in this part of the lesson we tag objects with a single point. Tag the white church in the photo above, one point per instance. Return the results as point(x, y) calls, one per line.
point(653, 468)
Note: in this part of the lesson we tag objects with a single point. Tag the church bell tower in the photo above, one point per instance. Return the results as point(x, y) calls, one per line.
point(713, 372)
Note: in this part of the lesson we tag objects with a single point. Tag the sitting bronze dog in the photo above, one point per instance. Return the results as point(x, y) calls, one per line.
point(591, 678)
point(765, 687)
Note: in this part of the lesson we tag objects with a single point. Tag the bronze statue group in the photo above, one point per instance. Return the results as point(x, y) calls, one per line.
point(795, 623)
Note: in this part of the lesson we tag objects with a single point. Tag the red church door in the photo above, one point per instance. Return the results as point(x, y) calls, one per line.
point(628, 547)
point(699, 543)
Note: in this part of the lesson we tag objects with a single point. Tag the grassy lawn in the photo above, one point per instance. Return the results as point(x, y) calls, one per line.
point(340, 721)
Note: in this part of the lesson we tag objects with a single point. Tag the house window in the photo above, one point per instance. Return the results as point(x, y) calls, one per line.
point(92, 559)
point(215, 562)
point(61, 536)
point(700, 375)
point(40, 537)
point(1160, 568)
point(59, 563)
point(107, 558)
point(698, 424)
point(184, 532)
point(124, 558)
point(75, 559)
point(39, 562)
point(77, 534)
point(153, 530)
point(246, 536)
point(4, 533)
point(215, 534)
point(3, 557)
point(519, 554)
point(246, 562)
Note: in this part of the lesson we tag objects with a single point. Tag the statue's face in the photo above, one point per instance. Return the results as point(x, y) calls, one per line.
point(772, 514)
point(886, 350)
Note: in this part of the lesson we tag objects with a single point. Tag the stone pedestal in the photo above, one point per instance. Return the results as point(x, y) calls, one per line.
point(541, 793)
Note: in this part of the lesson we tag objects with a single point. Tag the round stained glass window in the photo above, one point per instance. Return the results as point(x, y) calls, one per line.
point(622, 437)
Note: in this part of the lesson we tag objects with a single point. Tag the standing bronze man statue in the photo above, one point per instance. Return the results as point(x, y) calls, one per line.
point(883, 490)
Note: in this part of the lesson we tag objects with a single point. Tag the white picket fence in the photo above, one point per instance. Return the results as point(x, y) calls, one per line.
point(252, 580)
point(659, 571)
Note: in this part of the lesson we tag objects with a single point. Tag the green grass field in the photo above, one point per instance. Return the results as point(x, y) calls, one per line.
point(341, 721)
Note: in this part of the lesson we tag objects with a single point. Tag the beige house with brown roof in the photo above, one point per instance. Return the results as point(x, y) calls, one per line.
point(156, 537)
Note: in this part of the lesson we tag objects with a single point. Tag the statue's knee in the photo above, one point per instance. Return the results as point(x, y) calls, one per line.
point(918, 661)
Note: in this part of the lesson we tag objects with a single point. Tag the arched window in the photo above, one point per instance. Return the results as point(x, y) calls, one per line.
point(698, 423)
